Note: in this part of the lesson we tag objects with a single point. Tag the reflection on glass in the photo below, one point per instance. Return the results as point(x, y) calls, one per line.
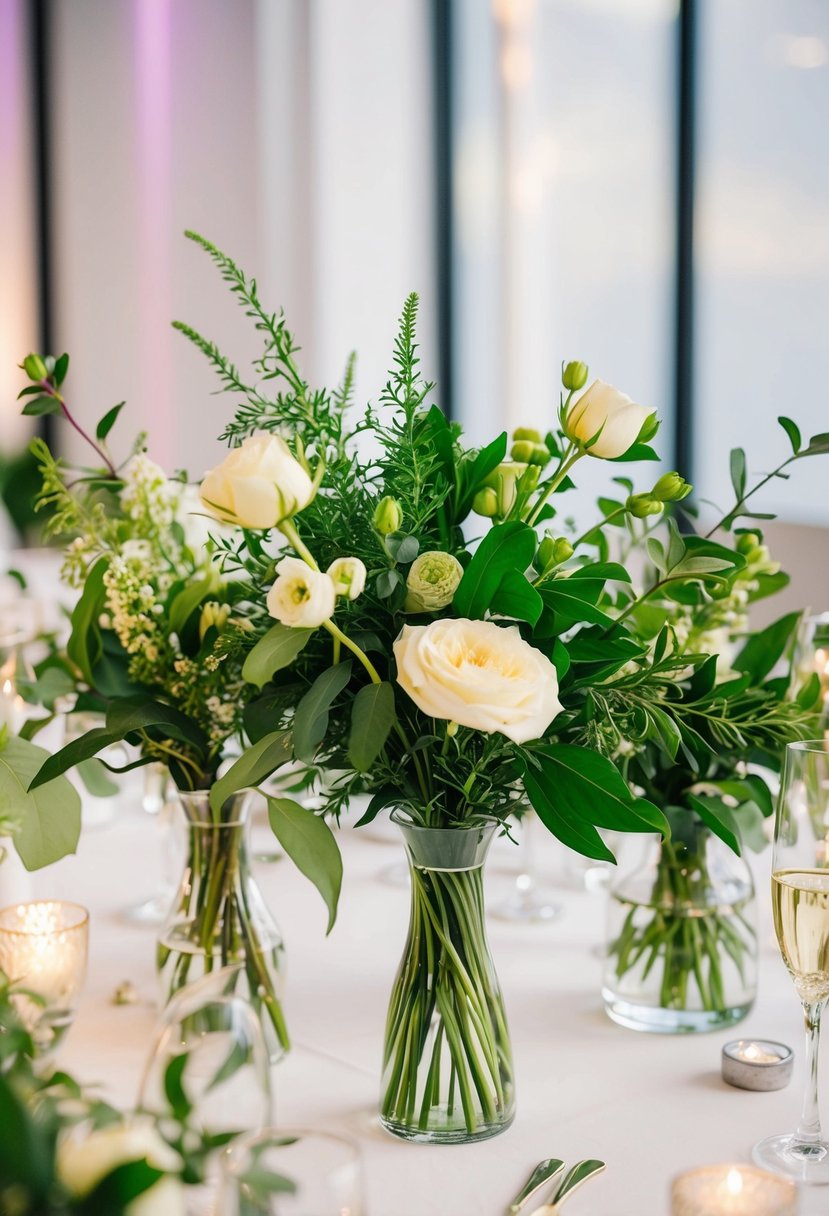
point(289, 1172)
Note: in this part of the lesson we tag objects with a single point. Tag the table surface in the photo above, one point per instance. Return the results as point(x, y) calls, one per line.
point(649, 1105)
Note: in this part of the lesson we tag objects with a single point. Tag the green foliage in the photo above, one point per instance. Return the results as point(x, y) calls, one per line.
point(48, 817)
point(310, 843)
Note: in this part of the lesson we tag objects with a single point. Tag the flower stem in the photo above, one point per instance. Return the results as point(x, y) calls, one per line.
point(50, 391)
point(571, 455)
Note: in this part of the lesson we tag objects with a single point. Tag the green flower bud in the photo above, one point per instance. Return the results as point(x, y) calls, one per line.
point(432, 582)
point(574, 376)
point(642, 505)
point(527, 452)
point(526, 432)
point(388, 516)
point(553, 551)
point(485, 503)
point(747, 541)
point(671, 488)
point(34, 367)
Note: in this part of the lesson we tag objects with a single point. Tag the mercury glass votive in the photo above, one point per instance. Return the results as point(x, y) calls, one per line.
point(43, 952)
point(732, 1190)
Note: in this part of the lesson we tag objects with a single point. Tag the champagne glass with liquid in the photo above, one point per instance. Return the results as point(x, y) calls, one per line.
point(800, 901)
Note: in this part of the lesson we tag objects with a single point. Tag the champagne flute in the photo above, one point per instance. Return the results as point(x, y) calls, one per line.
point(800, 900)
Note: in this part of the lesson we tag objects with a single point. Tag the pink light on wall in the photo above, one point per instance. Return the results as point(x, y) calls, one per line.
point(153, 120)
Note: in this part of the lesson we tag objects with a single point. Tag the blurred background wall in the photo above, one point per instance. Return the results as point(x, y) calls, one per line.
point(638, 183)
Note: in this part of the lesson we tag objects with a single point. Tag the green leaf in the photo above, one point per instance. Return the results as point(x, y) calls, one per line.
point(26, 1150)
point(254, 765)
point(505, 547)
point(61, 368)
point(82, 748)
point(738, 472)
point(818, 444)
point(311, 718)
point(387, 582)
point(589, 785)
point(402, 548)
point(49, 816)
point(310, 843)
point(571, 604)
point(793, 431)
point(36, 407)
point(277, 649)
point(719, 818)
point(763, 650)
point(517, 598)
point(186, 602)
point(387, 796)
point(84, 646)
point(174, 1091)
point(108, 421)
point(94, 776)
point(119, 1189)
point(141, 712)
point(570, 829)
point(372, 718)
point(639, 451)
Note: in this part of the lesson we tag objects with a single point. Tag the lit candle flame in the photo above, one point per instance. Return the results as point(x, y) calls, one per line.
point(734, 1182)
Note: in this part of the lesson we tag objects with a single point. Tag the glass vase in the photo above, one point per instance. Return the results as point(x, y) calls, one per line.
point(447, 1061)
point(218, 916)
point(682, 942)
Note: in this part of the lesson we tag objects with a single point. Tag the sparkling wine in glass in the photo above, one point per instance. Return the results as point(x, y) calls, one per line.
point(800, 902)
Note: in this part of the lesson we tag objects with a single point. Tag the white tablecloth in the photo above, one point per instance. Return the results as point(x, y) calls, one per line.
point(648, 1105)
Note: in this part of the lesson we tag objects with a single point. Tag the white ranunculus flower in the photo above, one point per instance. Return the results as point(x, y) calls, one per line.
point(301, 597)
point(348, 575)
point(432, 581)
point(601, 407)
point(257, 485)
point(478, 674)
point(82, 1164)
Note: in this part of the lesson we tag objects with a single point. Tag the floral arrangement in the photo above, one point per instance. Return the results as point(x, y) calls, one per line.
point(409, 618)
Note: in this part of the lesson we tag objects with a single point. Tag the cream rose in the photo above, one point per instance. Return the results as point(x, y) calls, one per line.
point(478, 674)
point(257, 485)
point(301, 597)
point(602, 408)
point(348, 575)
point(82, 1164)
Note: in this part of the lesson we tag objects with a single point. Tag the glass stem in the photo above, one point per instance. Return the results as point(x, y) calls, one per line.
point(808, 1131)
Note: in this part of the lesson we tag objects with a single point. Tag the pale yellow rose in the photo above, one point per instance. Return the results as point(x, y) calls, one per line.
point(82, 1164)
point(257, 485)
point(603, 410)
point(478, 674)
point(348, 575)
point(301, 598)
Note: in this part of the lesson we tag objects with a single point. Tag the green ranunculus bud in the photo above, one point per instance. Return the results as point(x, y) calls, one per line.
point(671, 488)
point(432, 581)
point(552, 551)
point(642, 505)
point(485, 502)
point(388, 516)
point(574, 376)
point(526, 432)
point(35, 368)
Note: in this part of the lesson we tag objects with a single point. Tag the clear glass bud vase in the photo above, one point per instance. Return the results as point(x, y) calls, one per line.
point(447, 1063)
point(682, 940)
point(219, 917)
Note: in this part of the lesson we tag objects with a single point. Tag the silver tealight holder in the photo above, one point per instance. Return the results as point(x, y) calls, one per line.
point(758, 1064)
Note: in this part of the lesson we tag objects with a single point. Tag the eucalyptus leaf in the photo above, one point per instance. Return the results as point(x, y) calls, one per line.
point(49, 815)
point(311, 717)
point(372, 717)
point(254, 765)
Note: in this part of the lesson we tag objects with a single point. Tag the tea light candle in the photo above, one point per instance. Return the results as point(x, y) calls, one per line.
point(757, 1064)
point(732, 1190)
point(43, 947)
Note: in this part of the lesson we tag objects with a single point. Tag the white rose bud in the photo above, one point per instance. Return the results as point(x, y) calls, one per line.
point(257, 485)
point(348, 575)
point(432, 582)
point(602, 408)
point(480, 675)
point(301, 598)
point(82, 1164)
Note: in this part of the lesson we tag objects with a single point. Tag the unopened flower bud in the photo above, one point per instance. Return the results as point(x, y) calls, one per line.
point(388, 516)
point(348, 575)
point(213, 615)
point(671, 488)
point(432, 581)
point(485, 503)
point(642, 505)
point(34, 367)
point(526, 432)
point(553, 551)
point(527, 452)
point(574, 376)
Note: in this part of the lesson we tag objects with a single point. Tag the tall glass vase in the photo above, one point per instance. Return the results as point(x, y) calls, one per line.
point(218, 916)
point(682, 943)
point(447, 1066)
